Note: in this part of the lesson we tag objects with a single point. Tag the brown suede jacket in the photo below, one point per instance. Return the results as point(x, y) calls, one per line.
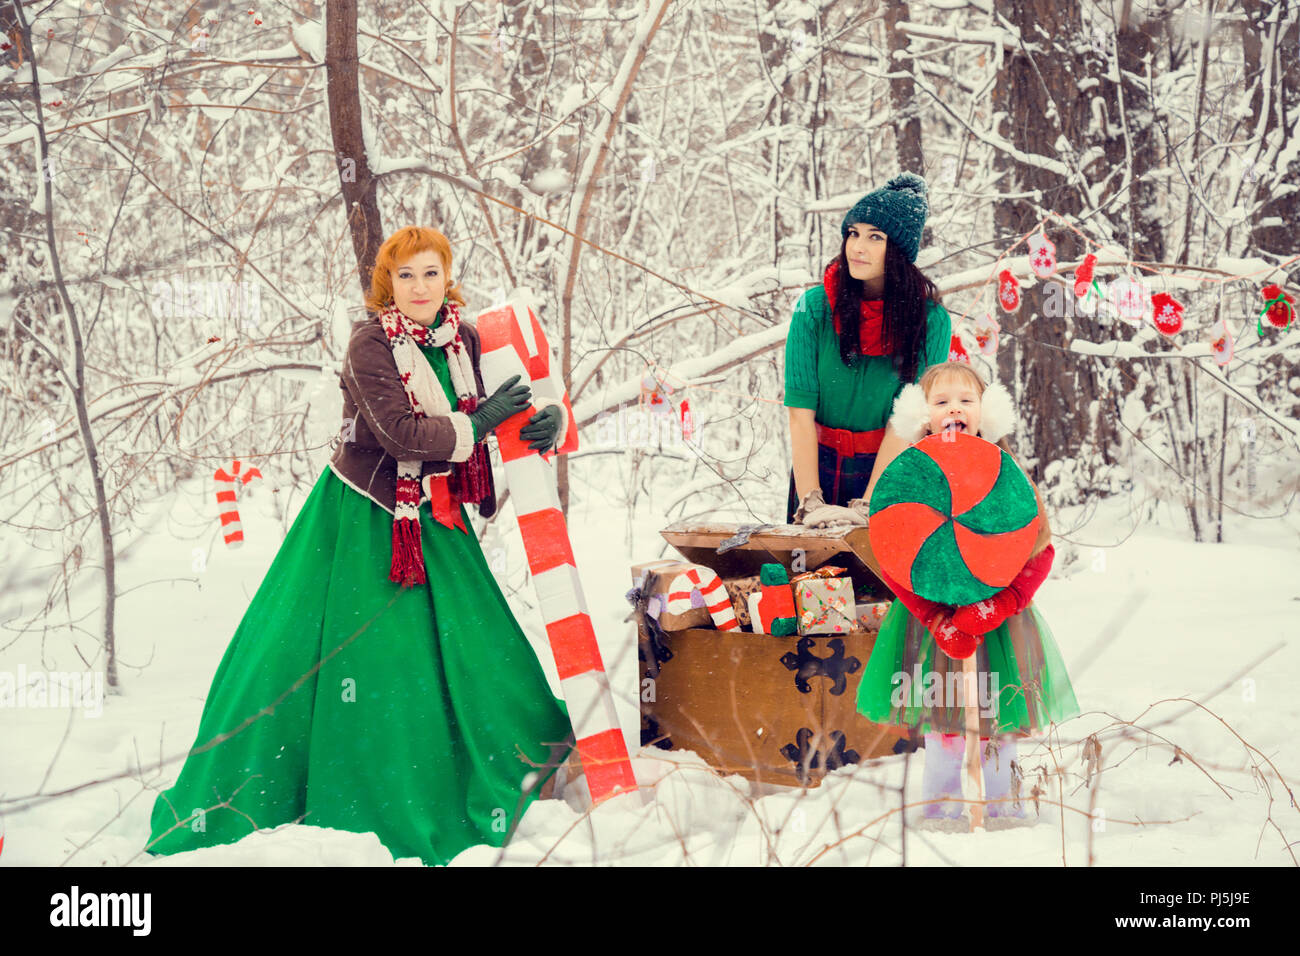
point(379, 428)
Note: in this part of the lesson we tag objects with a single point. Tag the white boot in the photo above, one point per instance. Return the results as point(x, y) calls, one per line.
point(942, 775)
point(996, 759)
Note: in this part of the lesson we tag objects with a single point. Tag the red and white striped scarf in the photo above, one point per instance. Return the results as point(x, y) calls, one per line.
point(461, 481)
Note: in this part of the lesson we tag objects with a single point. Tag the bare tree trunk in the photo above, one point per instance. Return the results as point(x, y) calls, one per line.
point(77, 380)
point(591, 170)
point(784, 47)
point(527, 81)
point(355, 176)
point(1038, 94)
point(1273, 229)
point(902, 95)
point(1044, 377)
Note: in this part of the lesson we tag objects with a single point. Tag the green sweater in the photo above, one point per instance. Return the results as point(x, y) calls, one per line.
point(859, 399)
point(438, 362)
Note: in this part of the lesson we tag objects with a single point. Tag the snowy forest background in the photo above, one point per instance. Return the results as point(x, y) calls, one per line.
point(191, 198)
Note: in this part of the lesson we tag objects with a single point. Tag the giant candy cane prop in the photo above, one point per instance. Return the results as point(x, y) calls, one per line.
point(234, 531)
point(513, 344)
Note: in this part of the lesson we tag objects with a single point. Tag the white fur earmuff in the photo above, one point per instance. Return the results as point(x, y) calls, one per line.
point(911, 414)
point(997, 413)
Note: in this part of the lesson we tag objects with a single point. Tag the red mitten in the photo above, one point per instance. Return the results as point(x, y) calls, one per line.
point(1033, 574)
point(937, 619)
point(952, 640)
point(983, 616)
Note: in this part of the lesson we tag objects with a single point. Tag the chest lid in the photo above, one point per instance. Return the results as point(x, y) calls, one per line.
point(697, 541)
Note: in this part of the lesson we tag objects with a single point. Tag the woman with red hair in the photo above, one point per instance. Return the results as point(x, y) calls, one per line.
point(378, 681)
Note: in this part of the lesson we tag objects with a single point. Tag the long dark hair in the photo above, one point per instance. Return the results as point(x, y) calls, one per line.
point(905, 308)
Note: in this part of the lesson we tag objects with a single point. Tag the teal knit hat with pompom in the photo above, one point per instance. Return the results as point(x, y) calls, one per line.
point(899, 210)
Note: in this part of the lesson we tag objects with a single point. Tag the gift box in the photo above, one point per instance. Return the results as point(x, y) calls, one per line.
point(826, 606)
point(674, 592)
point(740, 589)
point(654, 579)
point(871, 614)
point(825, 571)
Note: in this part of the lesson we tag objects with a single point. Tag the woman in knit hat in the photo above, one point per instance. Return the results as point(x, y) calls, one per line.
point(378, 681)
point(873, 325)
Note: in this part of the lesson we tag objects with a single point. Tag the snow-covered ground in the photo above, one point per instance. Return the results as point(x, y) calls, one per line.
point(1140, 618)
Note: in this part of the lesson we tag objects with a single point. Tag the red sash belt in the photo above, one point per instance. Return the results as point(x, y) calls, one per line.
point(848, 443)
point(444, 505)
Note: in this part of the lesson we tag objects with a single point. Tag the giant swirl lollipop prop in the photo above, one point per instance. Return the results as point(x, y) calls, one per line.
point(953, 518)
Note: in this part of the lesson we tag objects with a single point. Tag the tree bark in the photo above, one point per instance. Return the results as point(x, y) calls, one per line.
point(77, 379)
point(902, 96)
point(592, 166)
point(357, 180)
point(1273, 232)
point(1038, 101)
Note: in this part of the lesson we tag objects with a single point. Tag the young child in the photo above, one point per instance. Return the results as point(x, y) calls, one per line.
point(914, 676)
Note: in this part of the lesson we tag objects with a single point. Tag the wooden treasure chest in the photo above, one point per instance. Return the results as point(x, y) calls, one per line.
point(773, 707)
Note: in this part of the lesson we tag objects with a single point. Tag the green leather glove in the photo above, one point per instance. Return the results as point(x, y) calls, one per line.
point(509, 399)
point(543, 429)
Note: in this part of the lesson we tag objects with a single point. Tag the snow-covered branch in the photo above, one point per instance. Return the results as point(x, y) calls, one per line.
point(689, 372)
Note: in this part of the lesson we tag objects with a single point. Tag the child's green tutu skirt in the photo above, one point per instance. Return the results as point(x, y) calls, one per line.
point(1021, 685)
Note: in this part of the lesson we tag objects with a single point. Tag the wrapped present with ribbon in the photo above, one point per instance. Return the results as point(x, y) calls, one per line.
point(739, 589)
point(871, 614)
point(827, 571)
point(653, 580)
point(826, 606)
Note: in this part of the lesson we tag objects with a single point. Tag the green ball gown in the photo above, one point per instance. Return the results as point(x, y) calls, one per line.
point(417, 726)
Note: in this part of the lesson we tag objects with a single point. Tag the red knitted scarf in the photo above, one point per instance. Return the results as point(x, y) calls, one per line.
point(871, 323)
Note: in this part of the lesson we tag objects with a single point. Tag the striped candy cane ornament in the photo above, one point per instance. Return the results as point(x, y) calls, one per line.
point(230, 526)
point(712, 590)
point(513, 344)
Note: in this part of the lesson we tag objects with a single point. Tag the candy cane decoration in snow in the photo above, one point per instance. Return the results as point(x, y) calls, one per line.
point(234, 532)
point(513, 344)
point(712, 590)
